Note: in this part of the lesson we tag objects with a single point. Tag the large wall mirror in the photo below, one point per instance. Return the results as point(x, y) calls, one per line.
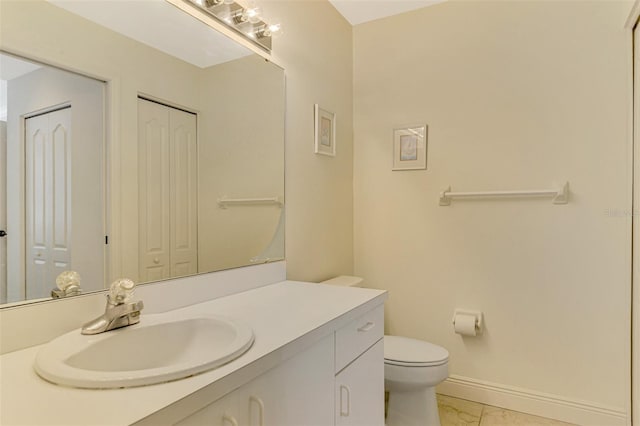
point(135, 141)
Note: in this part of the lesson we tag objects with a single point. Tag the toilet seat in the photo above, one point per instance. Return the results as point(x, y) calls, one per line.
point(406, 352)
point(415, 364)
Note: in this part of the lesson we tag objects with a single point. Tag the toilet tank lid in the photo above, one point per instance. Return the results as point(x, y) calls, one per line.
point(404, 349)
point(344, 280)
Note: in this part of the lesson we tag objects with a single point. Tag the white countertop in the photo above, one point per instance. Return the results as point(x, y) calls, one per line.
point(286, 317)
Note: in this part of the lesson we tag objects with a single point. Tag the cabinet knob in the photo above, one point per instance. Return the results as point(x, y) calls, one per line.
point(156, 260)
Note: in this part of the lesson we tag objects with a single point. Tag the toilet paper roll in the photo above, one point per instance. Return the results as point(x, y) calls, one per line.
point(465, 324)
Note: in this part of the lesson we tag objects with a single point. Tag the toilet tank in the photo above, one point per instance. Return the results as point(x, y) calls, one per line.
point(345, 280)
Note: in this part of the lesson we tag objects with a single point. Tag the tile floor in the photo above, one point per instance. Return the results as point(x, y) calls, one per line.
point(459, 412)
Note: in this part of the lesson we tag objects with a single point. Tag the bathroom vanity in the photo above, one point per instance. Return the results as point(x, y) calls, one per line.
point(317, 359)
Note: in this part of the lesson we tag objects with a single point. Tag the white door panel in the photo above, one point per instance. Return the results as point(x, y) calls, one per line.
point(47, 199)
point(60, 193)
point(183, 166)
point(153, 170)
point(167, 188)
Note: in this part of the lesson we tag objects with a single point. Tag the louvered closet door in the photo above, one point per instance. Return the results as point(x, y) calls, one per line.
point(167, 176)
point(47, 200)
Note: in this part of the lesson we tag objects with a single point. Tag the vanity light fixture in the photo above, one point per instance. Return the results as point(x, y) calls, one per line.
point(246, 19)
point(213, 3)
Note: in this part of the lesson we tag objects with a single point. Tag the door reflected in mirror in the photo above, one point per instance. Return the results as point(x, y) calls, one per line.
point(176, 168)
point(53, 137)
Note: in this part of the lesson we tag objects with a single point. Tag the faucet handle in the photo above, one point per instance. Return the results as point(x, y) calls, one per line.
point(121, 291)
point(68, 283)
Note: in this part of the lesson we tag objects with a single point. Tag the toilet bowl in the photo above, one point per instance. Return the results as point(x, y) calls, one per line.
point(412, 369)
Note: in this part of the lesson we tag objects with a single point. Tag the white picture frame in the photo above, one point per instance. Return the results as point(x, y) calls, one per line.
point(410, 147)
point(325, 131)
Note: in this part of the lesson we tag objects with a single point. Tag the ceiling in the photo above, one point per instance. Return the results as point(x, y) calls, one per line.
point(12, 67)
point(159, 24)
point(359, 11)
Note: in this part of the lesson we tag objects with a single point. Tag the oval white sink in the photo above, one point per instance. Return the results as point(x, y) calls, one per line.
point(160, 348)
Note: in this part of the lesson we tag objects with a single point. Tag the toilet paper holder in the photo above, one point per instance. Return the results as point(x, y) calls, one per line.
point(477, 314)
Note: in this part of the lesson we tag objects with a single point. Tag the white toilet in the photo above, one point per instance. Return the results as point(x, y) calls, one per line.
point(412, 369)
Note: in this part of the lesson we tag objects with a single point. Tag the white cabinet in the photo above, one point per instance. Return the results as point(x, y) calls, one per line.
point(337, 381)
point(297, 392)
point(359, 384)
point(223, 412)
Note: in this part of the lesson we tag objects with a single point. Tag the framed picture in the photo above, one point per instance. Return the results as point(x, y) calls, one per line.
point(325, 131)
point(410, 148)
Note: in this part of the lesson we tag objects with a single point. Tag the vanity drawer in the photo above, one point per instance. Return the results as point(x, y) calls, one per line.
point(358, 336)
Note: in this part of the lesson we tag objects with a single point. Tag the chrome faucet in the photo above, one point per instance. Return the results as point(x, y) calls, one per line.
point(120, 310)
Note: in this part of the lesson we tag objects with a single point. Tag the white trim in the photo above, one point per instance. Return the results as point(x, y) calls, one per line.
point(634, 110)
point(633, 227)
point(533, 402)
point(633, 15)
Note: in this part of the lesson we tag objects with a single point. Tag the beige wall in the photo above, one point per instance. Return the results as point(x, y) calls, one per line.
point(241, 155)
point(517, 95)
point(316, 53)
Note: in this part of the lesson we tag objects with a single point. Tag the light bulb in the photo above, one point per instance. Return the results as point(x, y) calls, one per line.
point(270, 30)
point(198, 2)
point(252, 15)
point(274, 29)
point(228, 1)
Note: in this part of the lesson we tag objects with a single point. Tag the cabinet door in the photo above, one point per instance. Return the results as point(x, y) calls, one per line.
point(359, 390)
point(298, 392)
point(223, 412)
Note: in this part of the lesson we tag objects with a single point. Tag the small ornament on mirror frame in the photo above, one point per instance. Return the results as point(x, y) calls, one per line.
point(410, 147)
point(325, 131)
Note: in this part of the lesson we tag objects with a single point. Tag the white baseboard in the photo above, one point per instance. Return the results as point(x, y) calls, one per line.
point(532, 402)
